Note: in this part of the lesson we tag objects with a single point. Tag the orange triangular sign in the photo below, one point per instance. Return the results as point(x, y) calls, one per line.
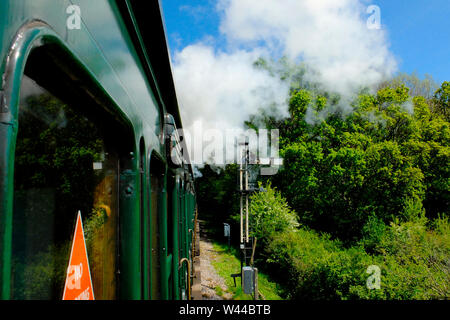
point(78, 284)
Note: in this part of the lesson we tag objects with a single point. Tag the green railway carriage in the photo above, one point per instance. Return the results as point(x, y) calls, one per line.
point(88, 119)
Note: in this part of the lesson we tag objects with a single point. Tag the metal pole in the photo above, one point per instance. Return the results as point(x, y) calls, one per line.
point(246, 189)
point(246, 218)
point(241, 200)
point(241, 226)
point(256, 284)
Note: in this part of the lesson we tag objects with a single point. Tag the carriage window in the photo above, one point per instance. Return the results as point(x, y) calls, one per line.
point(64, 163)
point(155, 190)
point(171, 213)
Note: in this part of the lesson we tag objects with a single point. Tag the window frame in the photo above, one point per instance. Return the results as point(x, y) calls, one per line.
point(37, 35)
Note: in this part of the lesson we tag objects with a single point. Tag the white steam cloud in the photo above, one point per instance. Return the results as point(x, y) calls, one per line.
point(221, 88)
point(331, 36)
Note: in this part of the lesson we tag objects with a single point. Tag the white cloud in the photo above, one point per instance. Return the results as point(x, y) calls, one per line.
point(220, 88)
point(331, 36)
point(223, 89)
point(219, 91)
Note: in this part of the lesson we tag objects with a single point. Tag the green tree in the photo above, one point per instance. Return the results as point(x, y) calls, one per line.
point(441, 100)
point(270, 214)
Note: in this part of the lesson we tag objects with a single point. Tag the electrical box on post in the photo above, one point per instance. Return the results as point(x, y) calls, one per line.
point(226, 230)
point(248, 280)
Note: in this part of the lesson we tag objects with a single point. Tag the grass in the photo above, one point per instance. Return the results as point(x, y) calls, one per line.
point(227, 263)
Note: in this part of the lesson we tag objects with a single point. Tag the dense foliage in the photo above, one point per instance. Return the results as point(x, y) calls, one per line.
point(369, 182)
point(271, 214)
point(391, 153)
point(413, 260)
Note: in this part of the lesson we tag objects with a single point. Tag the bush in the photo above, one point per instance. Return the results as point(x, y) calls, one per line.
point(373, 232)
point(313, 267)
point(414, 263)
point(417, 260)
point(270, 214)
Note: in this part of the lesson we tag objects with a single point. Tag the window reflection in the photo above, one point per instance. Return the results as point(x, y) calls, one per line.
point(64, 162)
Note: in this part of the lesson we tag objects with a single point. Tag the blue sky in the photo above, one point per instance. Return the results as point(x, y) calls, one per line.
point(188, 21)
point(418, 31)
point(419, 34)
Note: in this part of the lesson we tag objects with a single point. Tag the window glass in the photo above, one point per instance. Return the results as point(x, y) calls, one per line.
point(64, 162)
point(170, 213)
point(155, 182)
